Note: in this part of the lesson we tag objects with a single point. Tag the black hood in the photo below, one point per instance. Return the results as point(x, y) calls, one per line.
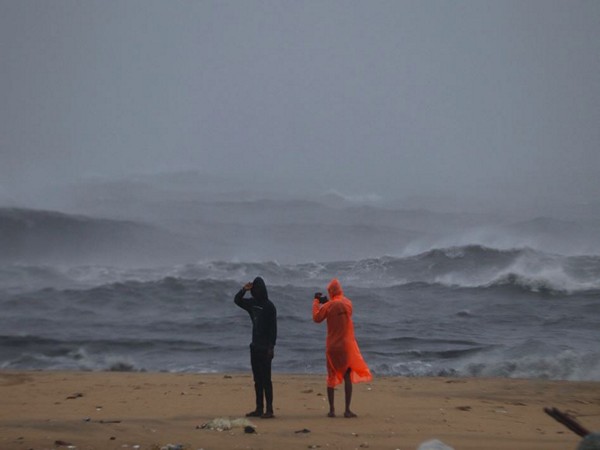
point(259, 289)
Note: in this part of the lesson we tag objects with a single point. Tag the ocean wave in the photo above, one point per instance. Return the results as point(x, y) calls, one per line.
point(17, 277)
point(542, 284)
point(38, 352)
point(77, 359)
point(178, 324)
point(470, 266)
point(59, 346)
point(478, 267)
point(564, 365)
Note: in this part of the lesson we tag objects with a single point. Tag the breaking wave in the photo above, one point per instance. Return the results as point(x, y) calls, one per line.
point(462, 311)
point(463, 267)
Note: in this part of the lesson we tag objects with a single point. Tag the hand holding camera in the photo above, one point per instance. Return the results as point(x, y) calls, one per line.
point(322, 298)
point(247, 286)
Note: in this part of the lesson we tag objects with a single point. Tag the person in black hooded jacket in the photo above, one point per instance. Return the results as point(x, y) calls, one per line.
point(262, 349)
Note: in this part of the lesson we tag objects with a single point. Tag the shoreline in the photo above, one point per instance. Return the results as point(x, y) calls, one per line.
point(145, 410)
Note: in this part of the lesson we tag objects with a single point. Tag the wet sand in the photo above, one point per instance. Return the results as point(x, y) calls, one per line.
point(109, 410)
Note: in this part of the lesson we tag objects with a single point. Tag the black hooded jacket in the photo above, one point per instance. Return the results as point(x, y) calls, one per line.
point(263, 314)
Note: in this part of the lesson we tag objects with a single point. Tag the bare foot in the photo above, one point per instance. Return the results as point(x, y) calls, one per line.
point(331, 414)
point(349, 414)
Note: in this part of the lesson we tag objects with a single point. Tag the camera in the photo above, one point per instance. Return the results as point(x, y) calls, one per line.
point(322, 298)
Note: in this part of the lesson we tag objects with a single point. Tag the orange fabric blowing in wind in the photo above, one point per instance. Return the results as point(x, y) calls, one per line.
point(341, 347)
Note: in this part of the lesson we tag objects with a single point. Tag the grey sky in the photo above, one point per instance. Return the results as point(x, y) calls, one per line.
point(387, 97)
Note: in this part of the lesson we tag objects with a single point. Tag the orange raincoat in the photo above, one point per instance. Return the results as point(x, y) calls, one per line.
point(342, 349)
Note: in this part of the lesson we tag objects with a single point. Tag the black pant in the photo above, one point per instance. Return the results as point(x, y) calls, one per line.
point(261, 370)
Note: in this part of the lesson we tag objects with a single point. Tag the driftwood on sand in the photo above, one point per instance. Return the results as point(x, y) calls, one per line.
point(567, 421)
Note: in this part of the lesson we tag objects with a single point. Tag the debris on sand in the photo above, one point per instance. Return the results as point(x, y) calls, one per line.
point(172, 447)
point(590, 442)
point(434, 444)
point(225, 423)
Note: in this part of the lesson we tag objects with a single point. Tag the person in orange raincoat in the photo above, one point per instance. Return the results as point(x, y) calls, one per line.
point(344, 361)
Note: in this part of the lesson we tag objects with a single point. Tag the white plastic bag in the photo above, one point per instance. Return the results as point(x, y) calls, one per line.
point(434, 444)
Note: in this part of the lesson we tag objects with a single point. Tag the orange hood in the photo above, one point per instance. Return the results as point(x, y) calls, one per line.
point(334, 289)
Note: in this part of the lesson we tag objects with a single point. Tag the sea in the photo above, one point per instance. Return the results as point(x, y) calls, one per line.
point(462, 311)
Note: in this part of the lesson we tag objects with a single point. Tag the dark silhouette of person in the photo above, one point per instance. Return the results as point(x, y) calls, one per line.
point(262, 348)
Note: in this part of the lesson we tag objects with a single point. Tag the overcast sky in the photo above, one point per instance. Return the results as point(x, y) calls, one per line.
point(373, 97)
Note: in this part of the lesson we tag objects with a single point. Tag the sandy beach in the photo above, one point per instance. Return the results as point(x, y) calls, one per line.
point(109, 410)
